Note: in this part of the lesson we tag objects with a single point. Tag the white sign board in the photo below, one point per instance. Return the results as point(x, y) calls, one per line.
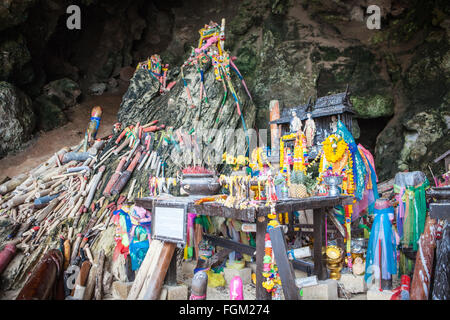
point(169, 224)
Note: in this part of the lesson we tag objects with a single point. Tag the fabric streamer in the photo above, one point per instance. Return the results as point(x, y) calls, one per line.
point(411, 213)
point(133, 225)
point(359, 170)
point(370, 194)
point(382, 232)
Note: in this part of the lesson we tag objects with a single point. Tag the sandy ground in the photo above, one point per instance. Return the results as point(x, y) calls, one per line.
point(45, 144)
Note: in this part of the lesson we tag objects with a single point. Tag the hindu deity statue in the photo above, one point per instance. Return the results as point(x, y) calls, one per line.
point(310, 130)
point(296, 123)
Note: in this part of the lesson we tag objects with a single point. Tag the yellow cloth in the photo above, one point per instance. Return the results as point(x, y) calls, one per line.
point(215, 279)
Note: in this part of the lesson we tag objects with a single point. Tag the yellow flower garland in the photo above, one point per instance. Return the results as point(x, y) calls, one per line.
point(298, 154)
point(285, 137)
point(334, 154)
point(329, 155)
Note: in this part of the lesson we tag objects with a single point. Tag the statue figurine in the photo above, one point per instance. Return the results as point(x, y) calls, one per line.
point(296, 123)
point(333, 124)
point(310, 130)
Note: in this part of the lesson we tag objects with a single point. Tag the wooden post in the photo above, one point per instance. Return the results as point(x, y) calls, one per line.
point(157, 276)
point(420, 285)
point(274, 108)
point(319, 229)
point(261, 293)
point(99, 276)
point(90, 285)
point(138, 283)
point(171, 276)
point(291, 292)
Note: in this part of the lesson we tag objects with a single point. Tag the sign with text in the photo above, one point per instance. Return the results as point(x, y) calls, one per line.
point(169, 223)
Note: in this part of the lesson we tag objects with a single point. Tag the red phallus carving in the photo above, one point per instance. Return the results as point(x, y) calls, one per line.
point(154, 128)
point(42, 282)
point(6, 255)
point(197, 170)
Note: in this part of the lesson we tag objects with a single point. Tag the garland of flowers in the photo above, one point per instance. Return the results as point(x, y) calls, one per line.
point(300, 153)
point(331, 159)
point(285, 137)
point(270, 270)
point(334, 148)
point(348, 222)
point(315, 160)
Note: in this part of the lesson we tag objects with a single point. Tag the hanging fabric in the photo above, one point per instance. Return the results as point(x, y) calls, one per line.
point(382, 233)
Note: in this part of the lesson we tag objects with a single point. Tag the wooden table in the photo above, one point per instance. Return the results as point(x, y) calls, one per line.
point(258, 215)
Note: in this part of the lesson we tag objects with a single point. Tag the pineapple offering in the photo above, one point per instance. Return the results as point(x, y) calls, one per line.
point(302, 185)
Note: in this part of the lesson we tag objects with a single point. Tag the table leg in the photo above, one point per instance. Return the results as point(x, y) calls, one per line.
point(319, 234)
point(291, 231)
point(261, 293)
point(171, 276)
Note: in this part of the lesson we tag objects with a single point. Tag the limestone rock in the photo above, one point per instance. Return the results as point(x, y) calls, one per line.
point(17, 119)
point(13, 13)
point(112, 83)
point(97, 89)
point(15, 60)
point(126, 73)
point(66, 90)
point(49, 110)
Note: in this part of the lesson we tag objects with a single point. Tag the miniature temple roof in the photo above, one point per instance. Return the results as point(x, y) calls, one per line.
point(324, 106)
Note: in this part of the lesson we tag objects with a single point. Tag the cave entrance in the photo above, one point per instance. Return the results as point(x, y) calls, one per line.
point(369, 131)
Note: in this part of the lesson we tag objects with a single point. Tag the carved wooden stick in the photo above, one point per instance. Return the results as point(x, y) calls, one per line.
point(75, 248)
point(114, 177)
point(12, 184)
point(80, 282)
point(87, 249)
point(93, 188)
point(40, 285)
point(125, 176)
point(90, 285)
point(66, 253)
point(99, 276)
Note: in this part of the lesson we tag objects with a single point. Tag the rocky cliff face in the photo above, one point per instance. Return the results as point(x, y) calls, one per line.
point(16, 118)
point(288, 50)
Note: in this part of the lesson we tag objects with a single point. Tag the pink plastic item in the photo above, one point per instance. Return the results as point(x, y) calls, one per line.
point(236, 291)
